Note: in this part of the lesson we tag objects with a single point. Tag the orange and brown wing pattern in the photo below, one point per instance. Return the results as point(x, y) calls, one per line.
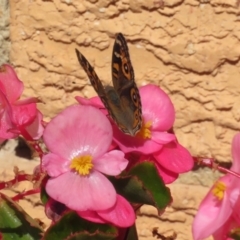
point(93, 77)
point(124, 82)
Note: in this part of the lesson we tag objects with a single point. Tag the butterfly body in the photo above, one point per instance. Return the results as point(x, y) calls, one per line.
point(122, 100)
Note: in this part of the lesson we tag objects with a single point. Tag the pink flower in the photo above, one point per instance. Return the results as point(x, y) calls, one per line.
point(158, 117)
point(171, 160)
point(17, 116)
point(120, 215)
point(153, 141)
point(219, 210)
point(78, 140)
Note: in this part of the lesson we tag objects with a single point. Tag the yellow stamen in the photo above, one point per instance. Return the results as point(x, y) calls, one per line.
point(145, 131)
point(219, 189)
point(82, 164)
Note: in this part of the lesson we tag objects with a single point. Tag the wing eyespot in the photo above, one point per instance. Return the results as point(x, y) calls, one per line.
point(134, 97)
point(126, 68)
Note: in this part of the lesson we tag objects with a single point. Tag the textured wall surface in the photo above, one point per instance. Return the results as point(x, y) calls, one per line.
point(4, 32)
point(189, 48)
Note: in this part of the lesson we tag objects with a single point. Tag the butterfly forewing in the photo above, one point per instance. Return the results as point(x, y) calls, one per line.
point(122, 70)
point(124, 83)
point(95, 81)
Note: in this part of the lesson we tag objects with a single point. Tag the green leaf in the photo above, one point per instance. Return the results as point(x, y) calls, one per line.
point(132, 233)
point(15, 223)
point(71, 226)
point(143, 185)
point(132, 189)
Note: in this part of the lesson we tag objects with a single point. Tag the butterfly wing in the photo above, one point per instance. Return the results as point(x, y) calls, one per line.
point(122, 100)
point(130, 119)
point(122, 70)
point(111, 100)
point(95, 81)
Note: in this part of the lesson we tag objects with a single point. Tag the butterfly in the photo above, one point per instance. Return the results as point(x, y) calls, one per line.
point(122, 101)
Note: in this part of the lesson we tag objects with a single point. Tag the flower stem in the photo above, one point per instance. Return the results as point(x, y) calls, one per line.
point(210, 162)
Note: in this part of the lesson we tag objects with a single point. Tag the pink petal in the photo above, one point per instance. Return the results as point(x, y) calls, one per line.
point(236, 213)
point(175, 157)
point(97, 102)
point(94, 101)
point(91, 216)
point(211, 215)
point(166, 175)
point(162, 137)
point(19, 116)
point(134, 144)
point(54, 165)
point(111, 163)
point(222, 232)
point(9, 83)
point(236, 153)
point(112, 146)
point(27, 101)
point(159, 110)
point(120, 215)
point(6, 124)
point(35, 129)
point(24, 115)
point(83, 101)
point(78, 130)
point(94, 192)
point(233, 193)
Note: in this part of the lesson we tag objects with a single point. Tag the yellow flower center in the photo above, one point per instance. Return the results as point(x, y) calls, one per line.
point(82, 164)
point(145, 131)
point(219, 189)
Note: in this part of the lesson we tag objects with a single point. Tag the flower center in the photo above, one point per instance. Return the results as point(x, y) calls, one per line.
point(82, 164)
point(145, 131)
point(218, 190)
